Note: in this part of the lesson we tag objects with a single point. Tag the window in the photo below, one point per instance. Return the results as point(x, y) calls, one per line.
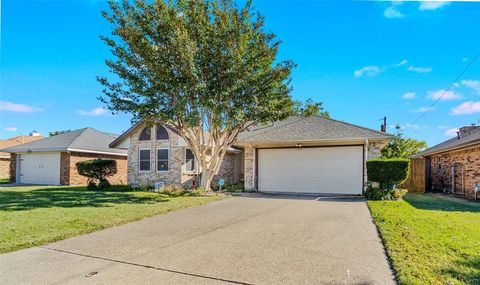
point(144, 160)
point(162, 159)
point(189, 160)
point(162, 133)
point(146, 134)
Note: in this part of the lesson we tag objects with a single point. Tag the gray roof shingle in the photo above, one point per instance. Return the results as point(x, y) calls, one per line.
point(472, 137)
point(86, 139)
point(315, 128)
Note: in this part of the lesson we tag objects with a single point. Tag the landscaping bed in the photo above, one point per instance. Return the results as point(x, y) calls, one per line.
point(430, 238)
point(36, 215)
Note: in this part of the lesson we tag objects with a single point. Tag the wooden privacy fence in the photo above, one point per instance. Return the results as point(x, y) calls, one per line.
point(416, 179)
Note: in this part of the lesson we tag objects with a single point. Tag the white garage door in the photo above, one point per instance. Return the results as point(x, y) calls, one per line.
point(40, 168)
point(311, 170)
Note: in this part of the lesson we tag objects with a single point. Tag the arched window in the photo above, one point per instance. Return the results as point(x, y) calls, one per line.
point(162, 133)
point(146, 134)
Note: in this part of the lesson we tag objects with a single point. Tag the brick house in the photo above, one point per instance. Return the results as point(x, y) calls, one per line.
point(300, 155)
point(453, 166)
point(5, 156)
point(51, 161)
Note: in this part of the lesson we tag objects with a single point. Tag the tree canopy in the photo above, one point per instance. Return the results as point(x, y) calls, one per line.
point(309, 108)
point(400, 147)
point(208, 68)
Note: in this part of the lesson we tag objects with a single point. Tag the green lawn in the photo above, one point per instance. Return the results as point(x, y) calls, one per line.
point(32, 216)
point(431, 239)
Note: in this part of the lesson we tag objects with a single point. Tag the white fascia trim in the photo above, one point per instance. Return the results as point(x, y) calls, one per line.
point(98, 152)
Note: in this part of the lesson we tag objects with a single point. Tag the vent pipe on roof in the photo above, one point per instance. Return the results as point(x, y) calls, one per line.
point(458, 135)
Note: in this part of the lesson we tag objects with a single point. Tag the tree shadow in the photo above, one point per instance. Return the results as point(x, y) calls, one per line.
point(70, 197)
point(467, 271)
point(439, 202)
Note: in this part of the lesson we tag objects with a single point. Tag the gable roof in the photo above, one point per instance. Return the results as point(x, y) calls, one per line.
point(472, 138)
point(16, 141)
point(314, 128)
point(82, 140)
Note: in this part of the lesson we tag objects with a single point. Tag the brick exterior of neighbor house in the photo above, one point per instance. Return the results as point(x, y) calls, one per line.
point(465, 162)
point(69, 174)
point(68, 170)
point(4, 167)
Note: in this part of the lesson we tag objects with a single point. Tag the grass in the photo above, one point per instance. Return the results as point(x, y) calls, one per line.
point(4, 180)
point(431, 239)
point(32, 216)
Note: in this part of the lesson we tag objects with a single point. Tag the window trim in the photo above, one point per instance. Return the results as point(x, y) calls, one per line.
point(156, 160)
point(185, 161)
point(149, 161)
point(140, 135)
point(156, 132)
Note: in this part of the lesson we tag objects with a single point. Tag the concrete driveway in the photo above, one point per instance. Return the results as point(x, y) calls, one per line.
point(257, 239)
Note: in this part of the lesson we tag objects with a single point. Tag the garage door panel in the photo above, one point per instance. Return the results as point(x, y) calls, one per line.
point(311, 170)
point(43, 168)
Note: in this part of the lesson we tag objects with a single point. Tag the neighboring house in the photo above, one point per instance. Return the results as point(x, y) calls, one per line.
point(451, 166)
point(299, 155)
point(5, 156)
point(52, 160)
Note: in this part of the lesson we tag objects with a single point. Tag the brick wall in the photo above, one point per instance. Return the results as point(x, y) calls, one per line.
point(4, 167)
point(441, 170)
point(69, 161)
point(64, 168)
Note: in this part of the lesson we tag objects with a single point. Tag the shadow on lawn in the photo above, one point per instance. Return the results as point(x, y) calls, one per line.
point(69, 198)
point(470, 273)
point(440, 202)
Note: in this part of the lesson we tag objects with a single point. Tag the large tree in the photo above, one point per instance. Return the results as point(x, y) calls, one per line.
point(401, 147)
point(309, 108)
point(208, 68)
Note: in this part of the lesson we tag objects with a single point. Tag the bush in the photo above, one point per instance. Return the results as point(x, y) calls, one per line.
point(237, 187)
point(376, 193)
point(91, 185)
point(97, 169)
point(388, 172)
point(104, 184)
point(174, 190)
point(199, 191)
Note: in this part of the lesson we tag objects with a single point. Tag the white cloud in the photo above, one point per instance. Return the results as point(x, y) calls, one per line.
point(472, 84)
point(432, 5)
point(443, 95)
point(368, 71)
point(451, 132)
point(423, 109)
point(392, 12)
point(442, 127)
point(19, 108)
point(420, 69)
point(94, 112)
point(409, 95)
point(466, 108)
point(403, 62)
point(11, 129)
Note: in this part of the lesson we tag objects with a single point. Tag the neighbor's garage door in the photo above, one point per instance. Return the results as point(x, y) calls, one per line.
point(311, 170)
point(40, 168)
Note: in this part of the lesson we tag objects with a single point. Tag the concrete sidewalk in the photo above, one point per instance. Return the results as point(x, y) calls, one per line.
point(259, 239)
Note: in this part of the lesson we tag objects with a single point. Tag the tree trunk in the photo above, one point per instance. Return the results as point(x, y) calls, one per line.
point(206, 179)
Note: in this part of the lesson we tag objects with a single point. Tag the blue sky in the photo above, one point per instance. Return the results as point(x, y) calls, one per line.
point(364, 60)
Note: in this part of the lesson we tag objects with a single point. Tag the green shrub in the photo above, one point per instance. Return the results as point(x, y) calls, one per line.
point(104, 184)
point(388, 172)
point(97, 169)
point(237, 187)
point(199, 191)
point(376, 193)
point(91, 185)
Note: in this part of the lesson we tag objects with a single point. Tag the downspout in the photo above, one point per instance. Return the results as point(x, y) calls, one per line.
point(365, 158)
